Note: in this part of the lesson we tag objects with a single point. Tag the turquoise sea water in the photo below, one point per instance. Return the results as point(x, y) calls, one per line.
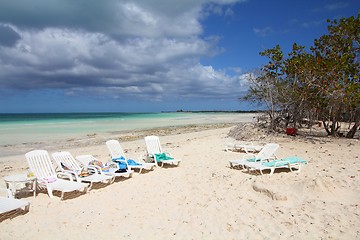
point(26, 128)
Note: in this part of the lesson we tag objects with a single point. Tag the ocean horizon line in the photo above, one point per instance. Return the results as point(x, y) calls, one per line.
point(141, 112)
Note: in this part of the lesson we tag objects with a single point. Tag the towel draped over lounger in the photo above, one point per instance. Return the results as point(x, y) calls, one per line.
point(99, 164)
point(122, 165)
point(162, 156)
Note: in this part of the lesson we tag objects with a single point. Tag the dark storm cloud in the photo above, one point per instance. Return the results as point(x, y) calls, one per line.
point(8, 37)
point(54, 13)
point(118, 47)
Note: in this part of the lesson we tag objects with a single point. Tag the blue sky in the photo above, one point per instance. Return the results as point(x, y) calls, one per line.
point(146, 55)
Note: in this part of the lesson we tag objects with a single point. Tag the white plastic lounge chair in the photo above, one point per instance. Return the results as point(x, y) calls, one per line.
point(117, 153)
point(155, 152)
point(9, 204)
point(288, 163)
point(40, 164)
point(267, 153)
point(67, 164)
point(111, 168)
point(246, 147)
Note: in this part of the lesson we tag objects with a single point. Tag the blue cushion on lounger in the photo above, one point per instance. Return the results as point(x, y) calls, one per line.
point(293, 160)
point(284, 162)
point(253, 160)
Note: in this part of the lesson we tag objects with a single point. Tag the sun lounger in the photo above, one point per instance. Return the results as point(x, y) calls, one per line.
point(67, 164)
point(266, 153)
point(117, 153)
point(155, 152)
point(110, 168)
point(245, 147)
point(290, 163)
point(40, 164)
point(9, 204)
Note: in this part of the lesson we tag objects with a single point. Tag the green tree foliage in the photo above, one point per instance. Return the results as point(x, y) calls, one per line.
point(322, 84)
point(265, 86)
point(337, 69)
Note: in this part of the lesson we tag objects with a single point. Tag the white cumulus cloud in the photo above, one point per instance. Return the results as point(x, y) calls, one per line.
point(125, 48)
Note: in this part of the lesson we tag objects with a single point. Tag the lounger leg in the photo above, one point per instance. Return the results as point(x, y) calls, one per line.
point(251, 170)
point(27, 207)
point(49, 190)
point(112, 180)
point(289, 166)
point(227, 148)
point(62, 195)
point(298, 166)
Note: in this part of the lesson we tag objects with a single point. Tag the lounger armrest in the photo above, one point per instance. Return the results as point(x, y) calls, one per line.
point(112, 165)
point(148, 158)
point(248, 148)
point(66, 175)
point(229, 146)
point(123, 161)
point(270, 159)
point(74, 174)
point(281, 163)
point(267, 159)
point(119, 160)
point(7, 192)
point(169, 154)
point(248, 155)
point(94, 169)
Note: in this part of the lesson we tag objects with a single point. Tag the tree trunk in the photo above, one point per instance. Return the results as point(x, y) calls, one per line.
point(334, 123)
point(326, 127)
point(352, 131)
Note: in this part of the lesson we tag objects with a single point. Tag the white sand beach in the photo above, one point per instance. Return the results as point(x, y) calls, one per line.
point(203, 198)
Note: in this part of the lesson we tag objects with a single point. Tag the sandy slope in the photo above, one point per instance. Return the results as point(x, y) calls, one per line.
point(203, 198)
